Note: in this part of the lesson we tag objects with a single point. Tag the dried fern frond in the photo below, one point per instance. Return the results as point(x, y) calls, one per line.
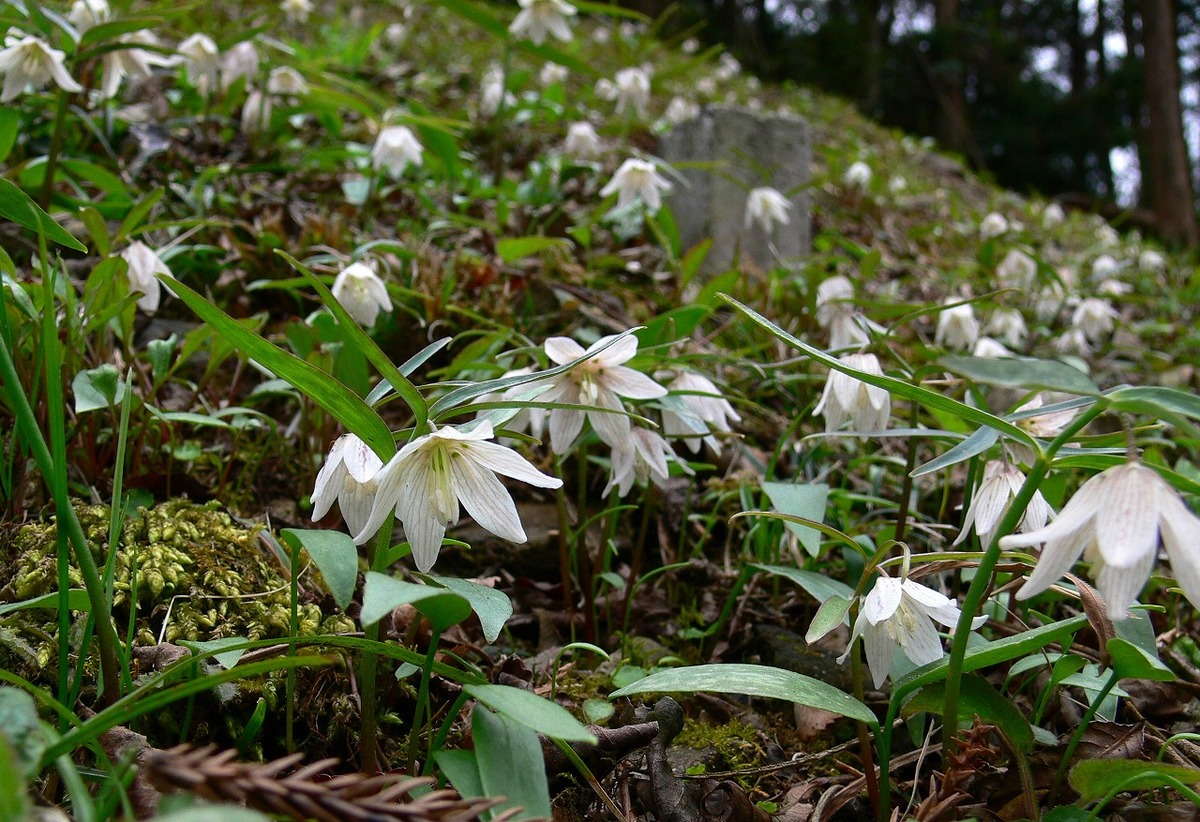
point(304, 794)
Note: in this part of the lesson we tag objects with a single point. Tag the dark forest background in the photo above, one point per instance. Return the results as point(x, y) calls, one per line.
point(1036, 93)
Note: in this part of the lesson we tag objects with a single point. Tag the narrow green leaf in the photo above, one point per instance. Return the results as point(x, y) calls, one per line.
point(1095, 778)
point(1155, 400)
point(510, 763)
point(899, 388)
point(753, 680)
point(335, 554)
point(461, 767)
point(10, 123)
point(972, 446)
point(400, 384)
point(338, 400)
point(833, 612)
point(77, 600)
point(491, 606)
point(1021, 372)
point(383, 594)
point(17, 206)
point(532, 711)
point(512, 249)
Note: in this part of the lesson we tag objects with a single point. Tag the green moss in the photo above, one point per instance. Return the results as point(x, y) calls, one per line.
point(192, 571)
point(737, 743)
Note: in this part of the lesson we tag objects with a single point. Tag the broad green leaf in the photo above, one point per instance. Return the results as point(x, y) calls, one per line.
point(77, 600)
point(1095, 778)
point(972, 446)
point(510, 762)
point(1133, 662)
point(807, 501)
point(832, 613)
point(819, 586)
point(532, 711)
point(976, 698)
point(898, 388)
point(461, 768)
point(753, 680)
point(227, 659)
point(338, 400)
point(491, 606)
point(13, 802)
point(96, 388)
point(10, 123)
point(383, 594)
point(334, 553)
point(1021, 372)
point(22, 728)
point(17, 206)
point(515, 248)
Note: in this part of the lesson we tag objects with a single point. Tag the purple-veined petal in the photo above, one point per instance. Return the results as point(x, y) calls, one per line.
point(508, 462)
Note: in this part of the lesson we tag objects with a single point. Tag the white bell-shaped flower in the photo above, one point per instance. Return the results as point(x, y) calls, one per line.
point(582, 143)
point(767, 207)
point(990, 503)
point(1008, 325)
point(993, 225)
point(143, 264)
point(31, 62)
point(347, 477)
point(1094, 317)
point(538, 18)
point(642, 456)
point(632, 91)
point(701, 412)
point(1017, 270)
point(395, 149)
point(201, 61)
point(957, 327)
point(637, 179)
point(849, 398)
point(360, 291)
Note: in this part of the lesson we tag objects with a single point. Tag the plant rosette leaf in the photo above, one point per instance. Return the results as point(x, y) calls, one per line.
point(335, 555)
point(532, 711)
point(752, 680)
point(976, 698)
point(1096, 778)
point(383, 594)
point(491, 606)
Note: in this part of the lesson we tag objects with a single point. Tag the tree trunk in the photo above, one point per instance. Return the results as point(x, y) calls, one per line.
point(953, 131)
point(1170, 175)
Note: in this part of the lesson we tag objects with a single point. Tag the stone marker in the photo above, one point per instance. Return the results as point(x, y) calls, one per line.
point(739, 146)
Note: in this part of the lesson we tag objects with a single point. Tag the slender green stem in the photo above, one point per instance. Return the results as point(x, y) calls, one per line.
point(1077, 736)
point(293, 632)
point(368, 667)
point(983, 574)
point(907, 486)
point(56, 141)
point(864, 733)
point(422, 711)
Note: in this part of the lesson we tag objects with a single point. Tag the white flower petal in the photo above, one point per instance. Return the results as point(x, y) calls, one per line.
point(883, 600)
point(630, 383)
point(1120, 586)
point(917, 637)
point(508, 462)
point(879, 648)
point(486, 499)
point(563, 350)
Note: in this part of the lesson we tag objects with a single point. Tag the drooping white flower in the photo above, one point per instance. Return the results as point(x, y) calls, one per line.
point(1113, 288)
point(637, 179)
point(1094, 317)
point(680, 110)
point(348, 476)
point(901, 612)
point(285, 81)
point(240, 61)
point(701, 412)
point(600, 381)
point(201, 61)
point(897, 184)
point(395, 149)
point(1016, 270)
point(360, 291)
point(767, 207)
point(957, 327)
point(553, 73)
point(31, 62)
point(1048, 302)
point(86, 14)
point(1104, 267)
point(834, 296)
point(632, 91)
point(538, 18)
point(849, 398)
point(987, 348)
point(1115, 521)
point(993, 225)
point(1072, 341)
point(492, 92)
point(1045, 426)
point(1053, 215)
point(131, 62)
point(690, 45)
point(1106, 235)
point(428, 478)
point(582, 143)
point(296, 11)
point(857, 176)
point(1008, 324)
point(640, 456)
point(143, 264)
point(1001, 482)
point(1152, 261)
point(728, 66)
point(256, 113)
